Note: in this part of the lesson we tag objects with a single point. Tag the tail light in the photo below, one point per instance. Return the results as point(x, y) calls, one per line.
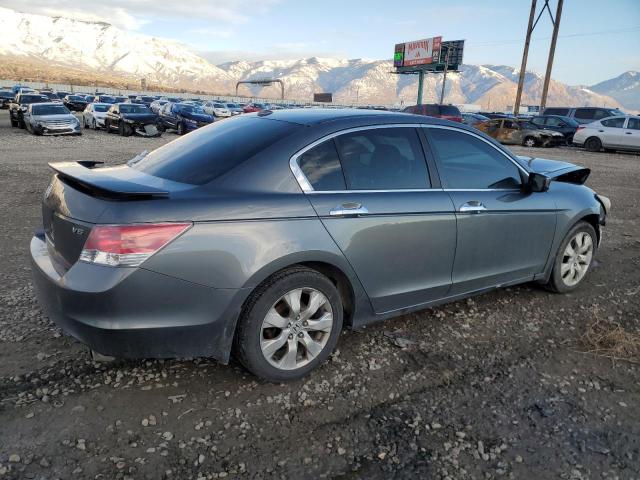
point(128, 245)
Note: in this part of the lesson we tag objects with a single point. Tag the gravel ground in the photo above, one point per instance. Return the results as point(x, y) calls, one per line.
point(493, 387)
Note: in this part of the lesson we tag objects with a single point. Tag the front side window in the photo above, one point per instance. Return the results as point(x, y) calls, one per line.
point(466, 162)
point(383, 159)
point(613, 122)
point(634, 124)
point(321, 166)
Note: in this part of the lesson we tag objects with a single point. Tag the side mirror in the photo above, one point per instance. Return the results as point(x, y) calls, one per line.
point(538, 182)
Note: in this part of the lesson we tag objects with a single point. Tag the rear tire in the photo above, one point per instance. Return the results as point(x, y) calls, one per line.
point(289, 325)
point(574, 258)
point(593, 144)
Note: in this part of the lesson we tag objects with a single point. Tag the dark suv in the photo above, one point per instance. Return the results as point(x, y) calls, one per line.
point(565, 125)
point(448, 112)
point(19, 106)
point(583, 114)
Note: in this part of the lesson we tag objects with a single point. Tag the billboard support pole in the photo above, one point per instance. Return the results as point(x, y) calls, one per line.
point(420, 84)
point(552, 51)
point(444, 78)
point(525, 55)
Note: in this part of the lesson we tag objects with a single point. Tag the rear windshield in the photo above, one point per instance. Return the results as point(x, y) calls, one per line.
point(449, 110)
point(191, 109)
point(106, 99)
point(209, 152)
point(76, 98)
point(49, 110)
point(33, 99)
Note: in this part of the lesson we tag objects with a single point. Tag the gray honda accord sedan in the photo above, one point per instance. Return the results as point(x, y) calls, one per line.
point(265, 234)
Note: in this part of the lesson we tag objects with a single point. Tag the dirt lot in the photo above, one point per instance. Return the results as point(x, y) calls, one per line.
point(494, 387)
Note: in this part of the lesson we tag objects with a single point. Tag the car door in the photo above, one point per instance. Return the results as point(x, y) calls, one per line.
point(383, 206)
point(611, 131)
point(631, 137)
point(504, 233)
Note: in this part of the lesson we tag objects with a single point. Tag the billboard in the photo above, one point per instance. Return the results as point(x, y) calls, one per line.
point(323, 97)
point(419, 52)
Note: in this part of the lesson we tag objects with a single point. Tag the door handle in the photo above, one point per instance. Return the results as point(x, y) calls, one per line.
point(601, 131)
point(629, 133)
point(472, 206)
point(350, 208)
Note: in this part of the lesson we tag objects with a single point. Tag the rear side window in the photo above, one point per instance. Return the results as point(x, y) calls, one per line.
point(466, 162)
point(554, 122)
point(383, 159)
point(587, 113)
point(321, 166)
point(209, 152)
point(449, 110)
point(556, 111)
point(613, 122)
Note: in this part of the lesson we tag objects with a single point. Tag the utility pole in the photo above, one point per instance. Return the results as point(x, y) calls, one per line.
point(420, 84)
point(552, 52)
point(444, 78)
point(525, 55)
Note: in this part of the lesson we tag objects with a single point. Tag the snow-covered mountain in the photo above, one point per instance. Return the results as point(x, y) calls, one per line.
point(63, 49)
point(624, 88)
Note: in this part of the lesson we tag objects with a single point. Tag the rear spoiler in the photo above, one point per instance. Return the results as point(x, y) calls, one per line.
point(84, 175)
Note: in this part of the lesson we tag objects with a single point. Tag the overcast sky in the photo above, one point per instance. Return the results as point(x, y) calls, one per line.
point(598, 39)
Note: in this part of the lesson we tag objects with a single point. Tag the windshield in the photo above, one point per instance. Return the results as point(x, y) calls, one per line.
point(76, 98)
point(191, 109)
point(121, 99)
point(7, 94)
point(101, 108)
point(107, 99)
point(147, 99)
point(209, 152)
point(133, 108)
point(218, 105)
point(232, 105)
point(50, 110)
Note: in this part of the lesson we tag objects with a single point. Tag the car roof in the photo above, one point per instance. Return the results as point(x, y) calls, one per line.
point(44, 104)
point(315, 116)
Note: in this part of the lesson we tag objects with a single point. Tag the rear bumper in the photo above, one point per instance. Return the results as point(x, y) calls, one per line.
point(136, 313)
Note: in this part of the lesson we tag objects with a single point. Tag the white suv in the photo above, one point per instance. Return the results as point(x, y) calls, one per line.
point(621, 132)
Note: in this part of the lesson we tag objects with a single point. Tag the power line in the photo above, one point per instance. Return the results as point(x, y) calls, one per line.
point(568, 35)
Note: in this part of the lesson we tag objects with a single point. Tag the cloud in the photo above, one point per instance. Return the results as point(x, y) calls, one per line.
point(132, 14)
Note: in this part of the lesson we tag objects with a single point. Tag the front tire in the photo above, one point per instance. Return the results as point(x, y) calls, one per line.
point(529, 142)
point(181, 128)
point(289, 326)
point(574, 258)
point(593, 144)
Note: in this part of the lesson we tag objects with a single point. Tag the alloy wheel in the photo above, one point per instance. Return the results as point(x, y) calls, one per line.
point(576, 258)
point(530, 142)
point(296, 328)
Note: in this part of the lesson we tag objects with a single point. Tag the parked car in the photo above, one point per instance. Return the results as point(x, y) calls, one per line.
point(20, 104)
point(156, 105)
point(144, 100)
point(234, 108)
point(104, 99)
point(128, 119)
point(89, 98)
point(6, 98)
point(75, 103)
point(564, 125)
point(511, 131)
point(120, 99)
point(448, 112)
point(216, 109)
point(62, 94)
point(473, 118)
point(266, 234)
point(254, 107)
point(583, 114)
point(51, 119)
point(183, 117)
point(94, 115)
point(613, 133)
point(52, 96)
point(16, 89)
point(495, 115)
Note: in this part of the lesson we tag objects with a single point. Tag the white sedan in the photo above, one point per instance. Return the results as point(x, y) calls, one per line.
point(216, 109)
point(94, 114)
point(621, 132)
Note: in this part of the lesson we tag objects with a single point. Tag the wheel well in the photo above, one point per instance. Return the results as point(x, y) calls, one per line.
point(342, 283)
point(594, 221)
